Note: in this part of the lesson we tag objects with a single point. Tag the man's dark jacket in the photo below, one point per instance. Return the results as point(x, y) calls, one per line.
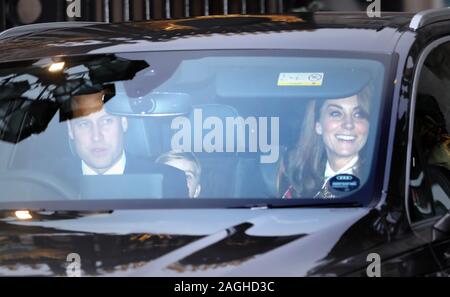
point(173, 180)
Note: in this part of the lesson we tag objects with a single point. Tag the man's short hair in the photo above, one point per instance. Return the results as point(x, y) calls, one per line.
point(180, 155)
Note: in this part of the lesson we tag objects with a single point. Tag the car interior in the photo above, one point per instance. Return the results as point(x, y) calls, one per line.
point(236, 174)
point(234, 171)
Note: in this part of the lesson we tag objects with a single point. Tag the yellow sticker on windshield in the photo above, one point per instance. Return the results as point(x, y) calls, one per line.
point(300, 79)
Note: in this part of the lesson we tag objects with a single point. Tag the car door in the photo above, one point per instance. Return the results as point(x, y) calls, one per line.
point(428, 199)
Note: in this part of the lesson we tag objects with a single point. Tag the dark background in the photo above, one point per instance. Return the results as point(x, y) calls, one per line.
point(20, 12)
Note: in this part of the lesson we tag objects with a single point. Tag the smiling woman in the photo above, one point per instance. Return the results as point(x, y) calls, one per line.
point(334, 133)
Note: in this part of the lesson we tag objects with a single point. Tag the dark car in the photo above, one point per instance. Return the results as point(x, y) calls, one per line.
point(313, 144)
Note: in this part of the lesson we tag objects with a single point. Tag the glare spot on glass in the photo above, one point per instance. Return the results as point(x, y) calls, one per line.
point(23, 215)
point(55, 67)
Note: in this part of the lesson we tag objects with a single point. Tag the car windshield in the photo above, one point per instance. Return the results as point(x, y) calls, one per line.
point(235, 124)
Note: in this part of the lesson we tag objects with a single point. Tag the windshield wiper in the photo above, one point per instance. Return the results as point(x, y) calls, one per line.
point(345, 204)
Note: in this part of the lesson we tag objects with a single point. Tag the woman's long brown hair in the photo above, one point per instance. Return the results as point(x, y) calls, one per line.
point(305, 164)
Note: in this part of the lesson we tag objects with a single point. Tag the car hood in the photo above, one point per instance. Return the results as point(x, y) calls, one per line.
point(212, 242)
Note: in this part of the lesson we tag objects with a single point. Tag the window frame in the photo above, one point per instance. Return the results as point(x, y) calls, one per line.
point(415, 86)
point(389, 61)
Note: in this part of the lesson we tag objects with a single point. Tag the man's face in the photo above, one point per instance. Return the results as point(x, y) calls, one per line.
point(97, 135)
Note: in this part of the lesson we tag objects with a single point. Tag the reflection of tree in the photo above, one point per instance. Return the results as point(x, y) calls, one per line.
point(233, 250)
point(30, 95)
point(33, 246)
point(178, 267)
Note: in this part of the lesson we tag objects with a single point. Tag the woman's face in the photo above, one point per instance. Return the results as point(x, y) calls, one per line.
point(344, 127)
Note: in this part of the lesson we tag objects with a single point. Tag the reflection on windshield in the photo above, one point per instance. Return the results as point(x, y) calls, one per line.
point(30, 96)
point(189, 125)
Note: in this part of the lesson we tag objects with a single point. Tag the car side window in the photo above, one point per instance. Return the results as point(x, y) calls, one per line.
point(430, 162)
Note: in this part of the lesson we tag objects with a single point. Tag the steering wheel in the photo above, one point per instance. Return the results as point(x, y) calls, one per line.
point(11, 181)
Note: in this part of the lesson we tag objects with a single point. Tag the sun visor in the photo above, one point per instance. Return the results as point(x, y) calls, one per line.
point(314, 83)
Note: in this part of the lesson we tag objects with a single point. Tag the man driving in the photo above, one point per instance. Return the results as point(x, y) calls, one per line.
point(97, 136)
point(98, 139)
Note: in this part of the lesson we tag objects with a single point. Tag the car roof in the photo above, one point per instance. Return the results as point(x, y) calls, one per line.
point(353, 31)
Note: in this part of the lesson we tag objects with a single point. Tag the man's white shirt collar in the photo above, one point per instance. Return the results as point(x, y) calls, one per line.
point(329, 172)
point(117, 168)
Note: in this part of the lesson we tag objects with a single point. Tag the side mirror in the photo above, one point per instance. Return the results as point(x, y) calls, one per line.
point(441, 230)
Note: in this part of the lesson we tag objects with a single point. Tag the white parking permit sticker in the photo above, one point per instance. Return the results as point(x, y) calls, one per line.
point(300, 79)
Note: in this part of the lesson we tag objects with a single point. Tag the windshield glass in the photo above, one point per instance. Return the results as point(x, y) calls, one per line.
point(195, 124)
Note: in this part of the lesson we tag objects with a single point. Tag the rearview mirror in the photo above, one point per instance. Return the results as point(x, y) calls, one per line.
point(154, 104)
